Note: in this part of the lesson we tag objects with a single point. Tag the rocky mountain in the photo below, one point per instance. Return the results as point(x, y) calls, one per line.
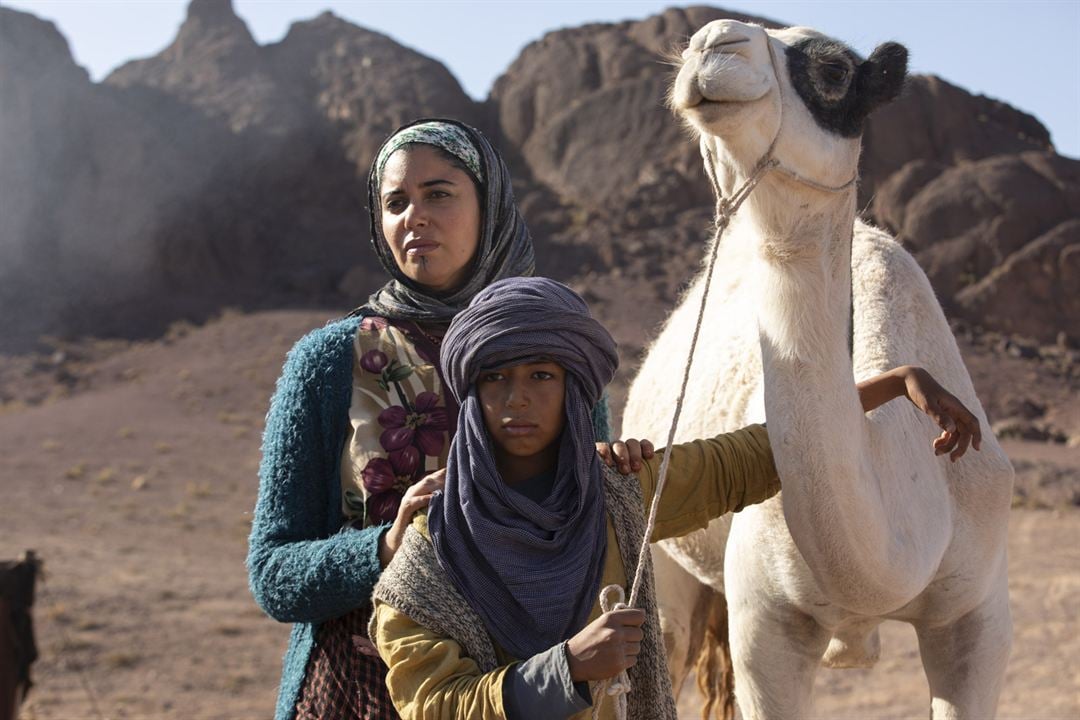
point(221, 172)
point(216, 173)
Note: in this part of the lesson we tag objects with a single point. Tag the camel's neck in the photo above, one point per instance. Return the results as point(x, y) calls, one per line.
point(816, 423)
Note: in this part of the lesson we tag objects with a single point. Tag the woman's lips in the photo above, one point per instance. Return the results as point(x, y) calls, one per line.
point(519, 428)
point(418, 248)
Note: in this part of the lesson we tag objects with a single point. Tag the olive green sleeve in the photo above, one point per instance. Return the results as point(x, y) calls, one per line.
point(429, 676)
point(708, 478)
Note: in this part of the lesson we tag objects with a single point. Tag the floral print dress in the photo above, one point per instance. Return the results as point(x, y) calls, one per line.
point(399, 419)
point(400, 424)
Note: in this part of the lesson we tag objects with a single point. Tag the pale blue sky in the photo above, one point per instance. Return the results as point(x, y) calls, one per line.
point(1026, 53)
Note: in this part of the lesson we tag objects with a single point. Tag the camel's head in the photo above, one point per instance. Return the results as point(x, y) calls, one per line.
point(740, 86)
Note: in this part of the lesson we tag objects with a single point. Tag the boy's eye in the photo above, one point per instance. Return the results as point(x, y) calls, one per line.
point(491, 377)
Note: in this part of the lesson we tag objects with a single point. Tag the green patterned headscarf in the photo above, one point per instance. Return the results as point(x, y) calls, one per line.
point(504, 249)
point(447, 136)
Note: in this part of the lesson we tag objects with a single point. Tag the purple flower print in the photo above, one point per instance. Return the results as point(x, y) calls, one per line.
point(424, 427)
point(384, 506)
point(374, 361)
point(382, 474)
point(378, 475)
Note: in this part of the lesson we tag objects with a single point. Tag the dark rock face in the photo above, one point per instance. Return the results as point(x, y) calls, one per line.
point(936, 122)
point(1035, 292)
point(218, 172)
point(81, 173)
point(997, 238)
point(577, 99)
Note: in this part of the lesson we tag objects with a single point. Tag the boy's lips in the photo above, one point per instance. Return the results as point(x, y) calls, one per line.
point(517, 427)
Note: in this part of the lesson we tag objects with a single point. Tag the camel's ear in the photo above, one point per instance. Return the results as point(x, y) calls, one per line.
point(881, 76)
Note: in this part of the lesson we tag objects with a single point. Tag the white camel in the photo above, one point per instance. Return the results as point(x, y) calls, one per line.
point(870, 525)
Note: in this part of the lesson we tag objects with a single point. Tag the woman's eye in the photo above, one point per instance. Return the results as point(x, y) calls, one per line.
point(491, 377)
point(543, 375)
point(395, 205)
point(438, 194)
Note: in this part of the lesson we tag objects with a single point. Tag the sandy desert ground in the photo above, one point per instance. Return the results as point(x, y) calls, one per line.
point(130, 469)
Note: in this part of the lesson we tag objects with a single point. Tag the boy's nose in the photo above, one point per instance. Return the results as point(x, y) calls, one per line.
point(517, 397)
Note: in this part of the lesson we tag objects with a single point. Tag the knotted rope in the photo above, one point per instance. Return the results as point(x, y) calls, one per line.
point(726, 207)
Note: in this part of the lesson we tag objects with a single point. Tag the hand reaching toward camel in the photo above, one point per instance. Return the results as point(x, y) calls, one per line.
point(959, 427)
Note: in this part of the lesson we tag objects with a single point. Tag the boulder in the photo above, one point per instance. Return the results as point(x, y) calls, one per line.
point(971, 218)
point(1035, 292)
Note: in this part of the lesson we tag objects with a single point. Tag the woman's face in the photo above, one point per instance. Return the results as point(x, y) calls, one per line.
point(430, 217)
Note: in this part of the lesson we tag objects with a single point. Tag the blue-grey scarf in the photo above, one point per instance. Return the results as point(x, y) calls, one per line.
point(531, 570)
point(505, 248)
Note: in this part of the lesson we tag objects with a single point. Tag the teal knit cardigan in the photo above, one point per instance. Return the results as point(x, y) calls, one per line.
point(303, 566)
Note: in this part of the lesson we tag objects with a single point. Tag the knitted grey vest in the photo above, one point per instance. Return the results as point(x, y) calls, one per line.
point(415, 585)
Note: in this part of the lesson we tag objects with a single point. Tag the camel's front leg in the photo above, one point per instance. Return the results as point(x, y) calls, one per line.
point(965, 661)
point(776, 651)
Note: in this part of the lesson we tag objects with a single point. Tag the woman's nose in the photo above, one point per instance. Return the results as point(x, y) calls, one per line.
point(415, 215)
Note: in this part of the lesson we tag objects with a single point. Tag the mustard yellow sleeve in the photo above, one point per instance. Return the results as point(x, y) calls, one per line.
point(708, 478)
point(429, 677)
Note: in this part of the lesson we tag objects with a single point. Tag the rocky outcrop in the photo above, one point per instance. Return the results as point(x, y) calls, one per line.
point(576, 100)
point(940, 125)
point(86, 185)
point(326, 75)
point(217, 172)
point(997, 237)
point(1035, 292)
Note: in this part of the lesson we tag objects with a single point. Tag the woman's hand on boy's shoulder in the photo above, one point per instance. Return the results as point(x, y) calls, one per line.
point(415, 499)
point(626, 456)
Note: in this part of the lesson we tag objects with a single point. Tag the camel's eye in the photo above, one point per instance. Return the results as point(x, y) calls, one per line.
point(834, 73)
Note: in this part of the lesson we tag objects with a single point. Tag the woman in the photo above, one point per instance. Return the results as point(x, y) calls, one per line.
point(359, 417)
point(490, 609)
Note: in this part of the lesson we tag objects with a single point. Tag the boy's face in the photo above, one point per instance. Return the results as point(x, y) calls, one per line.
point(524, 409)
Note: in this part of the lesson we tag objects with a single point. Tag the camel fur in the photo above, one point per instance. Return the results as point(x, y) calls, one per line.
point(870, 525)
